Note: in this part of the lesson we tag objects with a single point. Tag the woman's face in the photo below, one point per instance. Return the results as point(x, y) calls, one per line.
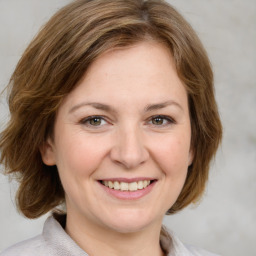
point(122, 140)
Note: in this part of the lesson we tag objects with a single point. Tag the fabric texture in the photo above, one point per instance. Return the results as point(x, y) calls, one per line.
point(54, 241)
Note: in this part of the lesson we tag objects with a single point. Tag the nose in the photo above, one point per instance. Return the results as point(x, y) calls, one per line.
point(129, 149)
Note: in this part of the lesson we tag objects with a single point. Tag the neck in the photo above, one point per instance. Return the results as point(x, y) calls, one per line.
point(97, 241)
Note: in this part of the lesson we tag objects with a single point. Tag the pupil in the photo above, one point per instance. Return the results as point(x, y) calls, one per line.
point(158, 120)
point(95, 121)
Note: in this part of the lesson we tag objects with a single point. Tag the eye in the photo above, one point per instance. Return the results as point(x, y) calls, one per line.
point(93, 121)
point(161, 120)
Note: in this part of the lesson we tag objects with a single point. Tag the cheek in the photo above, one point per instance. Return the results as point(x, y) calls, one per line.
point(76, 165)
point(172, 155)
point(79, 156)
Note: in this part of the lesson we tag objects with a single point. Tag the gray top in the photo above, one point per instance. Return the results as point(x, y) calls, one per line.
point(54, 241)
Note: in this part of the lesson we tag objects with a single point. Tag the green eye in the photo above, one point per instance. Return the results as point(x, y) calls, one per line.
point(162, 120)
point(158, 120)
point(95, 121)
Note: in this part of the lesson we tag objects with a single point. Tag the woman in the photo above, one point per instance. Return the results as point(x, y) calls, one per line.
point(112, 115)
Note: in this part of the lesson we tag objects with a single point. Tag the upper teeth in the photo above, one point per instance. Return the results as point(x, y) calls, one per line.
point(124, 186)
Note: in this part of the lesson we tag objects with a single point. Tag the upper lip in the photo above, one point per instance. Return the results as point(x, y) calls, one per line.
point(128, 180)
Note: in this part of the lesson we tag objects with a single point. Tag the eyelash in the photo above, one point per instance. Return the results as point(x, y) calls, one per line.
point(168, 119)
point(90, 118)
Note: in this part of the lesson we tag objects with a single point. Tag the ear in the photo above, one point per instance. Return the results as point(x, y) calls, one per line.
point(190, 157)
point(47, 153)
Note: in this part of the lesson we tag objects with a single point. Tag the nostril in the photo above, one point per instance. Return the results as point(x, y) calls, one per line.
point(129, 151)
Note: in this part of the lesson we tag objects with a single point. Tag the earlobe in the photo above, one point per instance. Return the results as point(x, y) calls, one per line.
point(47, 153)
point(190, 157)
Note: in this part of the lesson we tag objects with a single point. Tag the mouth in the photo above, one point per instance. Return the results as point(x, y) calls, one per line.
point(132, 186)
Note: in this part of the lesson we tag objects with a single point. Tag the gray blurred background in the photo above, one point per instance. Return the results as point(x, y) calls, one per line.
point(224, 222)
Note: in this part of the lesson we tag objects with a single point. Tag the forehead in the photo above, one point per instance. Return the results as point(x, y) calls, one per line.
point(150, 55)
point(132, 74)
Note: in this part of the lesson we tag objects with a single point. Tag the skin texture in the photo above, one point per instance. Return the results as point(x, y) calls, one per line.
point(126, 141)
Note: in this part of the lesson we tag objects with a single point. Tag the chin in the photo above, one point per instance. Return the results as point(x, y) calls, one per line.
point(132, 221)
point(125, 228)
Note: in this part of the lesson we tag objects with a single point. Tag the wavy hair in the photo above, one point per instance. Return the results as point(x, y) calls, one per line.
point(57, 59)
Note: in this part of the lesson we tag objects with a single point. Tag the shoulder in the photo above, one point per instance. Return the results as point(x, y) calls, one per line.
point(31, 247)
point(195, 251)
point(174, 247)
point(53, 241)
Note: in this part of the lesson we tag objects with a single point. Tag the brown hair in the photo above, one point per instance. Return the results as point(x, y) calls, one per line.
point(57, 59)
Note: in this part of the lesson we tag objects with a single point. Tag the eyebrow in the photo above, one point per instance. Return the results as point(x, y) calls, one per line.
point(161, 105)
point(108, 108)
point(96, 105)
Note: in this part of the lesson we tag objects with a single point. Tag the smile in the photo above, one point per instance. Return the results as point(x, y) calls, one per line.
point(127, 186)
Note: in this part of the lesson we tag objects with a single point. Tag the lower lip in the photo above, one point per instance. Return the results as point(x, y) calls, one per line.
point(129, 195)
